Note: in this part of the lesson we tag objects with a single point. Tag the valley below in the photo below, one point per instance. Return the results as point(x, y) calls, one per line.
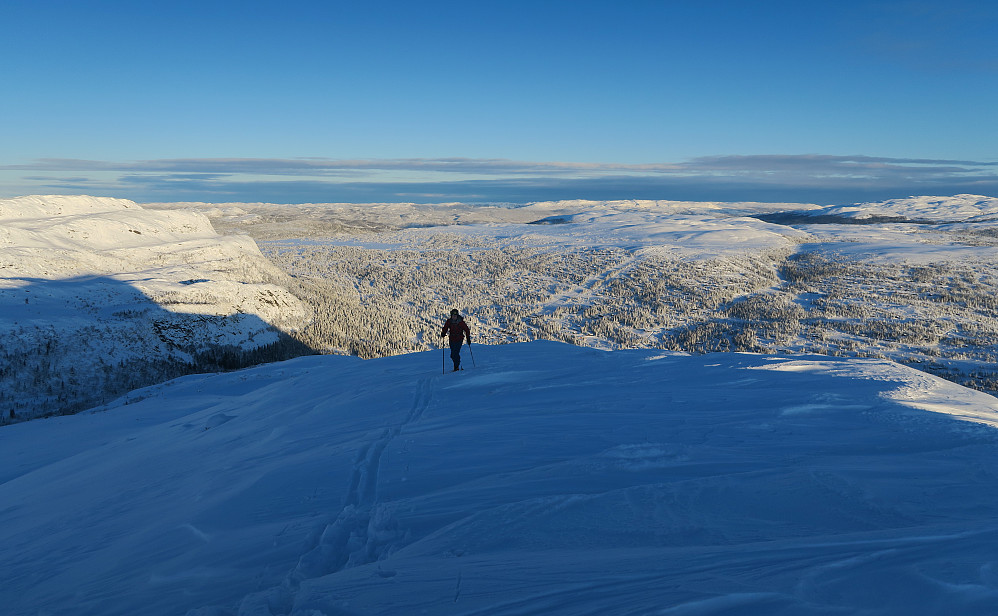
point(912, 280)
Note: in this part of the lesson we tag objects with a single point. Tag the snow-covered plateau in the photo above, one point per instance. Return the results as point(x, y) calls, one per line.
point(99, 296)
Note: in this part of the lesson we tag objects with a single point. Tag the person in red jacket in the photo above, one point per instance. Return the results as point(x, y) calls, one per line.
point(458, 330)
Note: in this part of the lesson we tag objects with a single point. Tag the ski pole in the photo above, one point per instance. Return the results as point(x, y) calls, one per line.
point(473, 364)
point(443, 360)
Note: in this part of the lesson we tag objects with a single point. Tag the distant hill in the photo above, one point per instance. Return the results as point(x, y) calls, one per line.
point(922, 209)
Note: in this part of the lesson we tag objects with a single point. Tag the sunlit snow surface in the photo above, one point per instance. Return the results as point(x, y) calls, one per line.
point(174, 258)
point(545, 479)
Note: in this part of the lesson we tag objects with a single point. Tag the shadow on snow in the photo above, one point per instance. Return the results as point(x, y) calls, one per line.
point(68, 345)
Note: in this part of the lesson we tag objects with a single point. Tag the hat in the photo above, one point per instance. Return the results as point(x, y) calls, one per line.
point(454, 311)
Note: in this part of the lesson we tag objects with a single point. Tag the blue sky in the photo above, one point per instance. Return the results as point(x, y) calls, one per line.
point(825, 102)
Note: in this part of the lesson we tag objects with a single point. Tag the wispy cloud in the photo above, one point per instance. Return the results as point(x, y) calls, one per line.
point(342, 167)
point(808, 178)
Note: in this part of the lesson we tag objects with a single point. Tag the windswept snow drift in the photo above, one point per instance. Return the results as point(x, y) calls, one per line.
point(96, 288)
point(551, 479)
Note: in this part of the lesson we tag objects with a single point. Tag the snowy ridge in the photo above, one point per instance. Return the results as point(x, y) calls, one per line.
point(45, 206)
point(714, 208)
point(97, 284)
point(549, 479)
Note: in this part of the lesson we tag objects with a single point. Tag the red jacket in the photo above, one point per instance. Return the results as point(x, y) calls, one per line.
point(458, 330)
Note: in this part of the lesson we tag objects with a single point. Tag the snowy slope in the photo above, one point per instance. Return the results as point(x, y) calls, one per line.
point(549, 479)
point(96, 284)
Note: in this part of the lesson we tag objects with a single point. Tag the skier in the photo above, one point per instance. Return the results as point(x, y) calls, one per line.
point(458, 330)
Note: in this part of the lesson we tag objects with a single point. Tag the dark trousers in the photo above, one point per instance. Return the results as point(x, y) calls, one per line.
point(455, 351)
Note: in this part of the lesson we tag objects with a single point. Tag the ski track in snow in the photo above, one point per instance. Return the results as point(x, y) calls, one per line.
point(362, 532)
point(582, 292)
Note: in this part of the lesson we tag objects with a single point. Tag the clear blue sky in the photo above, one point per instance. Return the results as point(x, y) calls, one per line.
point(498, 101)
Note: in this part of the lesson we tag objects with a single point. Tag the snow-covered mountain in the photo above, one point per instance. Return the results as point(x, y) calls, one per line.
point(546, 479)
point(101, 295)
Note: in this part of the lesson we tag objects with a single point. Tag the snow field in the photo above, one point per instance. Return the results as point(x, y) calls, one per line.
point(551, 479)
